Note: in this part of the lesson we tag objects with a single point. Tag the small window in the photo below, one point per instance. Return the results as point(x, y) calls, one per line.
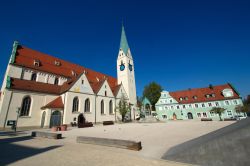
point(82, 82)
point(235, 102)
point(178, 107)
point(212, 95)
point(212, 113)
point(204, 114)
point(33, 77)
point(171, 101)
point(186, 98)
point(172, 107)
point(184, 106)
point(56, 81)
point(207, 96)
point(196, 105)
point(210, 104)
point(227, 102)
point(203, 105)
point(166, 107)
point(217, 104)
point(229, 113)
point(181, 99)
point(73, 73)
point(105, 93)
point(195, 97)
point(198, 115)
point(164, 116)
point(190, 106)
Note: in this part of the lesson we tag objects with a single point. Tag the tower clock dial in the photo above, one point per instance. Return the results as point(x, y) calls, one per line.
point(122, 67)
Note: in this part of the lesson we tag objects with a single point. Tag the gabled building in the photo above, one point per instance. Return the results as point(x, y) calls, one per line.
point(43, 91)
point(197, 103)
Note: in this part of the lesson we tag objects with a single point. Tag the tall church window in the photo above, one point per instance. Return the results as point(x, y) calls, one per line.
point(25, 106)
point(102, 107)
point(87, 106)
point(75, 104)
point(33, 77)
point(110, 107)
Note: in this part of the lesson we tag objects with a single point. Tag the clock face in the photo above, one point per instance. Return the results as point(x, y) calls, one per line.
point(130, 67)
point(122, 67)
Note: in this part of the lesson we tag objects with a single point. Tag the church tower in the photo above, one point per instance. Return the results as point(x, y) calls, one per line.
point(125, 69)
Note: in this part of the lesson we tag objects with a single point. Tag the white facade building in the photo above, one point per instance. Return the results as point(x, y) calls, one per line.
point(42, 91)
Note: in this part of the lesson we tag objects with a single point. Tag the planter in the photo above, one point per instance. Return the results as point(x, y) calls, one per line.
point(54, 128)
point(63, 127)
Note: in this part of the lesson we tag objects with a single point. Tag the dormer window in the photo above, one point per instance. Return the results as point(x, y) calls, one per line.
point(212, 95)
point(207, 96)
point(73, 73)
point(57, 63)
point(186, 98)
point(36, 63)
point(195, 97)
point(227, 93)
point(97, 79)
point(181, 98)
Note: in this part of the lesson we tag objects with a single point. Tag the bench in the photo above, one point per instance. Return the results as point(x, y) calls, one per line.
point(46, 135)
point(125, 144)
point(87, 124)
point(206, 119)
point(229, 119)
point(107, 123)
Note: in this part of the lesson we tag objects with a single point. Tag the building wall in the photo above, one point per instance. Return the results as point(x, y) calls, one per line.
point(182, 113)
point(13, 100)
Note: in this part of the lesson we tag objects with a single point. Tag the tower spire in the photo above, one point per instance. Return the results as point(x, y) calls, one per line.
point(124, 43)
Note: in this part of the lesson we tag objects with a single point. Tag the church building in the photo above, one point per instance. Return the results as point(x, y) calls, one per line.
point(40, 90)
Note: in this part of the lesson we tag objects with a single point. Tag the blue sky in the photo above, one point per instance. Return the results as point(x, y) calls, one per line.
point(178, 44)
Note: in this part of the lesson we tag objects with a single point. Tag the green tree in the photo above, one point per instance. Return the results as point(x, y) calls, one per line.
point(153, 93)
point(241, 109)
point(139, 102)
point(218, 110)
point(123, 107)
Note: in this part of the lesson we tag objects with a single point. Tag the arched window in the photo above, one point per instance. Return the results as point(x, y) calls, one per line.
point(75, 104)
point(25, 106)
point(33, 77)
point(87, 106)
point(56, 81)
point(110, 107)
point(102, 107)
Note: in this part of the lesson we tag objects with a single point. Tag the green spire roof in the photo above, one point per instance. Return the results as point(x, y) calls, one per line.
point(124, 43)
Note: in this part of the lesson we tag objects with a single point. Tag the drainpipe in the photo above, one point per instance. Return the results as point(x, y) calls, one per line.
point(95, 108)
point(64, 106)
point(8, 109)
point(115, 109)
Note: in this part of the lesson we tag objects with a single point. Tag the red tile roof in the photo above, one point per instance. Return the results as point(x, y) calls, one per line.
point(25, 57)
point(201, 93)
point(28, 85)
point(57, 103)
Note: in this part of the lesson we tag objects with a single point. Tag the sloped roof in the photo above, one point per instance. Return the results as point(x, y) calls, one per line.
point(201, 93)
point(25, 57)
point(57, 103)
point(28, 85)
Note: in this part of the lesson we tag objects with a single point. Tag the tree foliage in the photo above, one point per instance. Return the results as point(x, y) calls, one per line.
point(218, 110)
point(241, 109)
point(123, 108)
point(153, 93)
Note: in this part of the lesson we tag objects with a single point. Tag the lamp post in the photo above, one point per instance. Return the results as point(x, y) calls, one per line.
point(18, 112)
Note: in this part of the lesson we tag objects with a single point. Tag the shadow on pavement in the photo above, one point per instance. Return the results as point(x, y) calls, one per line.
point(228, 146)
point(11, 152)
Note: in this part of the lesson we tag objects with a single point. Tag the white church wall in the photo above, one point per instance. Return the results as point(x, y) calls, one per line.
point(34, 117)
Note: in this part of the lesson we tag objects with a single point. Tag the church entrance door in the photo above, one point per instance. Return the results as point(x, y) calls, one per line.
point(55, 119)
point(190, 115)
point(81, 120)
